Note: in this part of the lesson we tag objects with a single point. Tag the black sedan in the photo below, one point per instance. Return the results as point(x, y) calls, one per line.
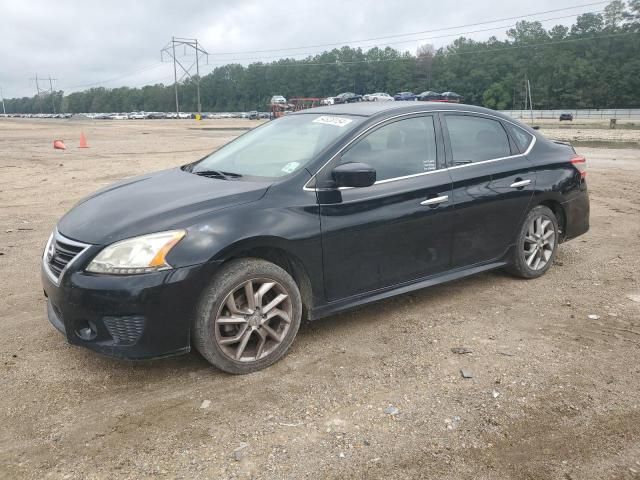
point(303, 217)
point(347, 97)
point(429, 96)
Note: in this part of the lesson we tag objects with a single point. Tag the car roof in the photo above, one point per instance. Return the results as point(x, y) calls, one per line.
point(388, 109)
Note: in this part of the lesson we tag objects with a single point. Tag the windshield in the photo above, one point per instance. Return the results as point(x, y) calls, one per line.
point(277, 148)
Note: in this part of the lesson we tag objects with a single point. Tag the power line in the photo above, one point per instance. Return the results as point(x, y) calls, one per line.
point(133, 72)
point(412, 58)
point(301, 63)
point(457, 34)
point(415, 33)
point(226, 61)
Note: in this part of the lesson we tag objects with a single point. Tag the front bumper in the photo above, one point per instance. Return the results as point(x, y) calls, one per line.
point(133, 317)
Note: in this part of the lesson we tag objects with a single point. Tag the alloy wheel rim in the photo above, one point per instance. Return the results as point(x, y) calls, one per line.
point(539, 242)
point(253, 320)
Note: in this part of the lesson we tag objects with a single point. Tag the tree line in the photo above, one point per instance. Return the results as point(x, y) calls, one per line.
point(594, 63)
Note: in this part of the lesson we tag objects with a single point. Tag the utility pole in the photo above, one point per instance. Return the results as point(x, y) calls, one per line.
point(38, 93)
point(170, 51)
point(530, 101)
point(41, 91)
point(4, 111)
point(53, 98)
point(198, 79)
point(175, 73)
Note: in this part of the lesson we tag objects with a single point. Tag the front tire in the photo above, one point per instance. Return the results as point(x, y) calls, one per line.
point(248, 317)
point(537, 244)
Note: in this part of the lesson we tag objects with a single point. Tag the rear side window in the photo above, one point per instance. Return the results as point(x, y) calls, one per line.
point(474, 139)
point(521, 137)
point(405, 147)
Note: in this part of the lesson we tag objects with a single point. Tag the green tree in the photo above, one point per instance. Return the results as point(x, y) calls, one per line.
point(497, 96)
point(614, 14)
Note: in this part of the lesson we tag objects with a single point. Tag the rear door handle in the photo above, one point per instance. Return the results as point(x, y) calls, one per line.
point(435, 200)
point(520, 183)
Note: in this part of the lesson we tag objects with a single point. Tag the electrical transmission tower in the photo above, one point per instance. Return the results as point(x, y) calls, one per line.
point(41, 92)
point(169, 52)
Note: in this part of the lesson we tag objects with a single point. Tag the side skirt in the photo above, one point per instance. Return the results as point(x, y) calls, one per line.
point(369, 297)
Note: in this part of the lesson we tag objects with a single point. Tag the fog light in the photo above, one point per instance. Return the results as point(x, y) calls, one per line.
point(86, 330)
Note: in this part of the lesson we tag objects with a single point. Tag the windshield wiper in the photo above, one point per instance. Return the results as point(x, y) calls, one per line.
point(218, 174)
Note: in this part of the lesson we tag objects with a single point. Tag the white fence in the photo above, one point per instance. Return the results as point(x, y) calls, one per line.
point(585, 114)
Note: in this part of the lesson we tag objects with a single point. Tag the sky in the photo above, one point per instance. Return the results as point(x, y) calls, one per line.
point(84, 44)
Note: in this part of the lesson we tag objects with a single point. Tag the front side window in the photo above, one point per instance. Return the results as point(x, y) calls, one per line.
point(398, 149)
point(474, 139)
point(277, 148)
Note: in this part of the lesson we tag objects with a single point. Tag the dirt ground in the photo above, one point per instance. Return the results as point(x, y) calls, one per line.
point(554, 394)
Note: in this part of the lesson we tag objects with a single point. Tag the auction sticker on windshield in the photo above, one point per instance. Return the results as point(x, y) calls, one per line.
point(337, 121)
point(290, 167)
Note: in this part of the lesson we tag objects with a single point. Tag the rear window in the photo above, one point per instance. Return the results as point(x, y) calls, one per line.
point(521, 137)
point(475, 139)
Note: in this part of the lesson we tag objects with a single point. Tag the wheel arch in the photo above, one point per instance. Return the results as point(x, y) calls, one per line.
point(558, 210)
point(276, 251)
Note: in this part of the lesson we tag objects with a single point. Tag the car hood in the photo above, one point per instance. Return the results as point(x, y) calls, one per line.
point(152, 203)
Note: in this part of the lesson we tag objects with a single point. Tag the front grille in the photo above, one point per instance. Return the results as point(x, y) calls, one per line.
point(125, 330)
point(63, 253)
point(60, 252)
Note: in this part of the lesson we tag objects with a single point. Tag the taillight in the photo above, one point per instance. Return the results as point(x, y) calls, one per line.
point(580, 163)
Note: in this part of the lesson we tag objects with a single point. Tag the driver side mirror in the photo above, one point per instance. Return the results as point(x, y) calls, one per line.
point(354, 174)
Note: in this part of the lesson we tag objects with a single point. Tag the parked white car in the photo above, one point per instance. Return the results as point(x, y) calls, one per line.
point(119, 116)
point(378, 97)
point(278, 99)
point(327, 101)
point(137, 116)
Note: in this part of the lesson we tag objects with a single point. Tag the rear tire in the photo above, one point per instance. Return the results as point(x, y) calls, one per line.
point(239, 335)
point(536, 245)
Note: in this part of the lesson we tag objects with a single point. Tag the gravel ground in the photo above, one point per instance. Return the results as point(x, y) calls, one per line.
point(629, 137)
point(373, 393)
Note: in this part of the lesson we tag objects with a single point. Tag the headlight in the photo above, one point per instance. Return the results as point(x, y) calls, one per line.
point(137, 255)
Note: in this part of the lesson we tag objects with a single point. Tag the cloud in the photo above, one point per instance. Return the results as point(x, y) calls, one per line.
point(114, 43)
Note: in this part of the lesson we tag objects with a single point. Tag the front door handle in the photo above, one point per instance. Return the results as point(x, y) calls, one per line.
point(520, 183)
point(435, 200)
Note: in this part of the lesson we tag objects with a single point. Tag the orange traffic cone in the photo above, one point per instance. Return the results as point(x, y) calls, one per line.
point(59, 145)
point(83, 141)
